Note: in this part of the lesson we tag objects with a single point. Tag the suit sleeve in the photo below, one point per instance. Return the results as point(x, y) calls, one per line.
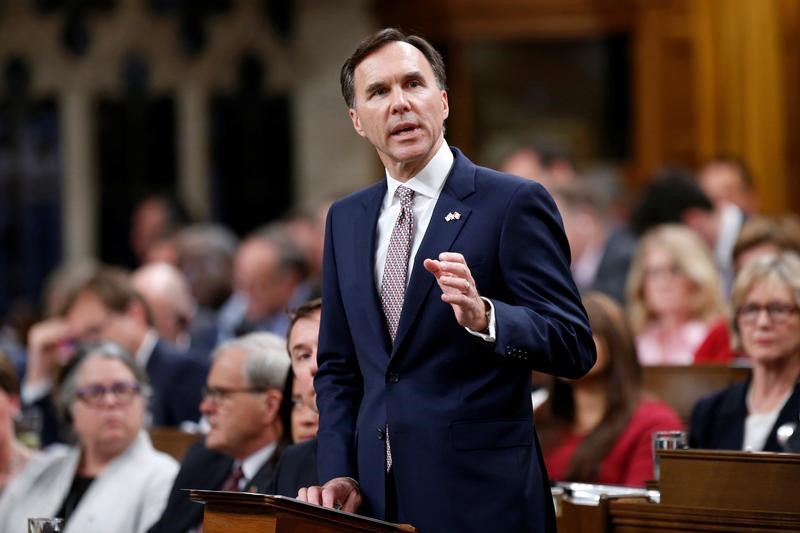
point(541, 320)
point(338, 382)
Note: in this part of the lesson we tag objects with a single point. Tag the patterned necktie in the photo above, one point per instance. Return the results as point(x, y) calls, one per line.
point(395, 271)
point(395, 274)
point(234, 479)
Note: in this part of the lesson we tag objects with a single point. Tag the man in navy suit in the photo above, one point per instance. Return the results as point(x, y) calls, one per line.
point(425, 414)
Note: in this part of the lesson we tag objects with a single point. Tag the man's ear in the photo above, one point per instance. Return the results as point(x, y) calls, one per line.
point(272, 403)
point(137, 311)
point(356, 122)
point(445, 105)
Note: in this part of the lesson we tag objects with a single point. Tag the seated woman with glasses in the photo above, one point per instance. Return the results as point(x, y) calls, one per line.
point(747, 415)
point(675, 300)
point(112, 479)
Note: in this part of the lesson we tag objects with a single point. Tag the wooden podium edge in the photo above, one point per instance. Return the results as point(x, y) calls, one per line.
point(294, 506)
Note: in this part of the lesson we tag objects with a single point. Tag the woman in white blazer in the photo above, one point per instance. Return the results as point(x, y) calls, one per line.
point(113, 480)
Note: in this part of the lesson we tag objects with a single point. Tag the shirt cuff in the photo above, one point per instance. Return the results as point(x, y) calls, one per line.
point(490, 336)
point(31, 393)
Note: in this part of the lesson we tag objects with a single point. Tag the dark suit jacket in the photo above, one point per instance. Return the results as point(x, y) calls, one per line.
point(465, 454)
point(297, 468)
point(612, 272)
point(204, 469)
point(177, 380)
point(717, 421)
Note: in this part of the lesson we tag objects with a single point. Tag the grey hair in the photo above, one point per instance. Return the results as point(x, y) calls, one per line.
point(68, 379)
point(266, 362)
point(784, 267)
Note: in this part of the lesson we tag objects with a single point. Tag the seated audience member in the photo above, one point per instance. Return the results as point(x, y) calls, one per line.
point(154, 219)
point(296, 414)
point(241, 402)
point(298, 465)
point(675, 302)
point(601, 250)
point(167, 295)
point(112, 479)
point(728, 180)
point(600, 426)
point(763, 235)
point(106, 307)
point(545, 161)
point(269, 277)
point(205, 256)
point(746, 416)
point(13, 454)
point(673, 196)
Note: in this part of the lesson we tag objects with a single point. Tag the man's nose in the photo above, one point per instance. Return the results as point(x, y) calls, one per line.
point(400, 103)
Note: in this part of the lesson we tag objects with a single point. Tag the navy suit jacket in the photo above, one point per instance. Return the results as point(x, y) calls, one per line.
point(204, 469)
point(717, 421)
point(465, 453)
point(177, 380)
point(297, 468)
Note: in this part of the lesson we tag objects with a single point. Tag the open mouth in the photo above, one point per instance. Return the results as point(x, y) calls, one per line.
point(404, 129)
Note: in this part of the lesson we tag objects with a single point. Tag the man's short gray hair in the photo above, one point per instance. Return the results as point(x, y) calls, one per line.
point(266, 362)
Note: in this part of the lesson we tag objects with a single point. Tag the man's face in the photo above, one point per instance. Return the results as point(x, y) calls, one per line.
point(236, 416)
point(303, 350)
point(399, 108)
point(259, 276)
point(90, 320)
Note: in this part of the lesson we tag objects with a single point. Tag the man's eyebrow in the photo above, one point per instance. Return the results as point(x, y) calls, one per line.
point(373, 86)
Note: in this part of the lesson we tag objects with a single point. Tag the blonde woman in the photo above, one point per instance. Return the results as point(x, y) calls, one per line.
point(747, 415)
point(675, 302)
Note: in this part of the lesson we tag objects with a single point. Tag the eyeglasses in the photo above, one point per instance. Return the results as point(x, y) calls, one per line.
point(95, 395)
point(219, 394)
point(663, 272)
point(777, 312)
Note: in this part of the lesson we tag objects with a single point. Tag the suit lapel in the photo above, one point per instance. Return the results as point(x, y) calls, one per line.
point(438, 238)
point(364, 225)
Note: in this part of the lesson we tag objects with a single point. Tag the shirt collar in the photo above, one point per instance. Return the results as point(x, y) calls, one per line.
point(146, 348)
point(253, 462)
point(430, 180)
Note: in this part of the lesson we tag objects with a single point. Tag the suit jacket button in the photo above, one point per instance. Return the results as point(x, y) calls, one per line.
point(381, 434)
point(394, 377)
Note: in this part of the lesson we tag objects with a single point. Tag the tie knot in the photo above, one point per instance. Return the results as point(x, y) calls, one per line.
point(406, 196)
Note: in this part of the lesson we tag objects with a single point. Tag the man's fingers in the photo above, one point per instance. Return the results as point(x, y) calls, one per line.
point(314, 495)
point(432, 266)
point(302, 494)
point(329, 497)
point(352, 502)
point(453, 257)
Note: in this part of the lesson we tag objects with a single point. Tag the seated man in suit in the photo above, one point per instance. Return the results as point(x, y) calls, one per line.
point(241, 403)
point(107, 307)
point(298, 465)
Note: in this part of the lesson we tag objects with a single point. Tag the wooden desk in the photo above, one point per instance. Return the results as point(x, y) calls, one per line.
point(702, 491)
point(244, 512)
point(632, 515)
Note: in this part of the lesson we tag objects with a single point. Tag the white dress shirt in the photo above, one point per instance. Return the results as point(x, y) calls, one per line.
point(427, 185)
